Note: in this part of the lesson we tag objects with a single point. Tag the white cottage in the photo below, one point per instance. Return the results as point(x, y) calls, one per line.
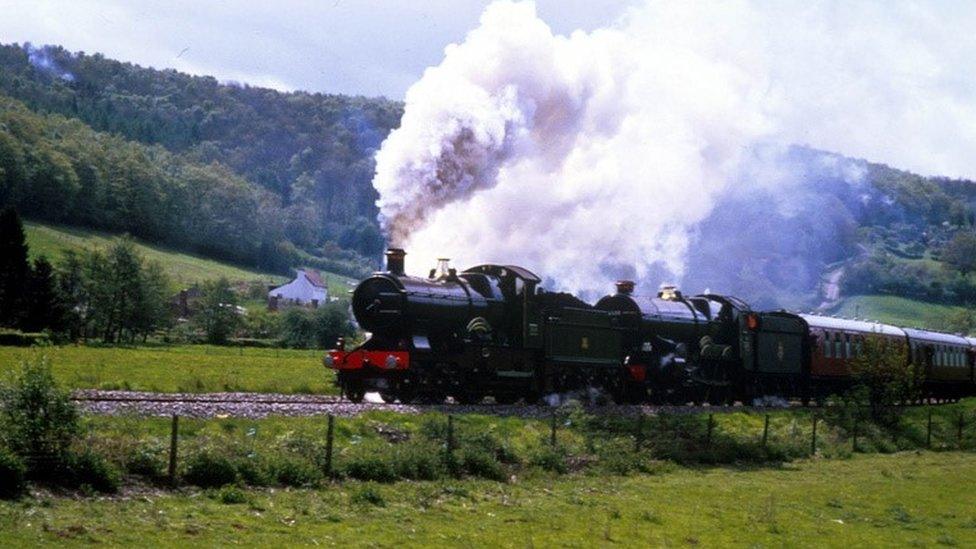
point(308, 288)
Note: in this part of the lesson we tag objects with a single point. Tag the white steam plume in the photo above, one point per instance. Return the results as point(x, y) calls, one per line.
point(597, 154)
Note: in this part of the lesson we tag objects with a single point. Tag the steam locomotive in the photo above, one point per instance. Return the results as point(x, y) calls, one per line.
point(493, 331)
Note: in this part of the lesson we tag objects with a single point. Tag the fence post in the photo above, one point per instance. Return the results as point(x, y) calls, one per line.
point(854, 432)
point(173, 439)
point(708, 436)
point(765, 431)
point(928, 429)
point(639, 437)
point(552, 434)
point(329, 435)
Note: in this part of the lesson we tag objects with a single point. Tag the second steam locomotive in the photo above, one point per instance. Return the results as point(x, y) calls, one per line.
point(493, 331)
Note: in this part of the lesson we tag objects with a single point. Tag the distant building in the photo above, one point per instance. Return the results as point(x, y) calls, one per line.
point(308, 288)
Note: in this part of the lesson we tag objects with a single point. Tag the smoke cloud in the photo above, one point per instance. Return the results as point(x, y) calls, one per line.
point(627, 151)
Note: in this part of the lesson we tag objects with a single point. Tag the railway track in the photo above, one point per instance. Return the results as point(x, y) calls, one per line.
point(259, 405)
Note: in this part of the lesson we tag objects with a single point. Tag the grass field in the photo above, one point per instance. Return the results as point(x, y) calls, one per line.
point(184, 368)
point(183, 268)
point(896, 310)
point(905, 499)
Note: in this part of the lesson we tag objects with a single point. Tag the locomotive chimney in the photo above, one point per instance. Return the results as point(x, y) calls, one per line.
point(625, 287)
point(394, 261)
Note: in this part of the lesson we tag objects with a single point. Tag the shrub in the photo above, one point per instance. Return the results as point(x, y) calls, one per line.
point(375, 467)
point(12, 473)
point(88, 469)
point(418, 461)
point(231, 495)
point(296, 472)
point(146, 462)
point(368, 494)
point(478, 462)
point(210, 470)
point(40, 420)
point(255, 471)
point(551, 459)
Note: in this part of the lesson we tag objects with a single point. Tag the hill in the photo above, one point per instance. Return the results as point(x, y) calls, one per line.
point(297, 165)
point(182, 268)
point(901, 311)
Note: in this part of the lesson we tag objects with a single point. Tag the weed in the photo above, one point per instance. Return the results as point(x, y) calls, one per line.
point(368, 494)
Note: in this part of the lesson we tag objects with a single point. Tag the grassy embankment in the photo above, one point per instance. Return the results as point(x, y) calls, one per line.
point(896, 310)
point(906, 498)
point(180, 368)
point(183, 269)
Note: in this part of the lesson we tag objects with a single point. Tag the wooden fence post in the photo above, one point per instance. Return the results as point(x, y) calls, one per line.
point(813, 440)
point(173, 439)
point(765, 438)
point(329, 436)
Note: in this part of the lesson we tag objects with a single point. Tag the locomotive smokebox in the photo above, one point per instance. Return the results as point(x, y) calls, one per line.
point(625, 287)
point(395, 261)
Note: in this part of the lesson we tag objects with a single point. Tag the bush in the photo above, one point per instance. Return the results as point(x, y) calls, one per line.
point(146, 462)
point(551, 459)
point(231, 495)
point(368, 495)
point(477, 462)
point(88, 469)
point(255, 471)
point(296, 472)
point(209, 470)
point(418, 461)
point(12, 474)
point(376, 467)
point(40, 421)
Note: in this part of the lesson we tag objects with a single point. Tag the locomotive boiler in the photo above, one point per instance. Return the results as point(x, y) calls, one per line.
point(489, 330)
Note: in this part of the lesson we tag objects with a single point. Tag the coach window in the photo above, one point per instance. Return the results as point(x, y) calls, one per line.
point(826, 344)
point(847, 345)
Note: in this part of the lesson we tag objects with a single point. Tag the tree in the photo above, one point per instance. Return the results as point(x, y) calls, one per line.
point(14, 268)
point(218, 311)
point(883, 374)
point(960, 252)
point(43, 308)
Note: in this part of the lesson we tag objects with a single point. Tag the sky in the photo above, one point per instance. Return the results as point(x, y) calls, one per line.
point(361, 47)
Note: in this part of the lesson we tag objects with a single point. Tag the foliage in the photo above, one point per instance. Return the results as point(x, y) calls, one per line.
point(116, 295)
point(960, 252)
point(89, 471)
point(882, 373)
point(315, 328)
point(218, 314)
point(368, 494)
point(232, 495)
point(235, 170)
point(38, 417)
point(12, 475)
point(209, 469)
point(14, 269)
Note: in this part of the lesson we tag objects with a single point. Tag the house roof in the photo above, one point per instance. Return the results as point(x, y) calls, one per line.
point(314, 278)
